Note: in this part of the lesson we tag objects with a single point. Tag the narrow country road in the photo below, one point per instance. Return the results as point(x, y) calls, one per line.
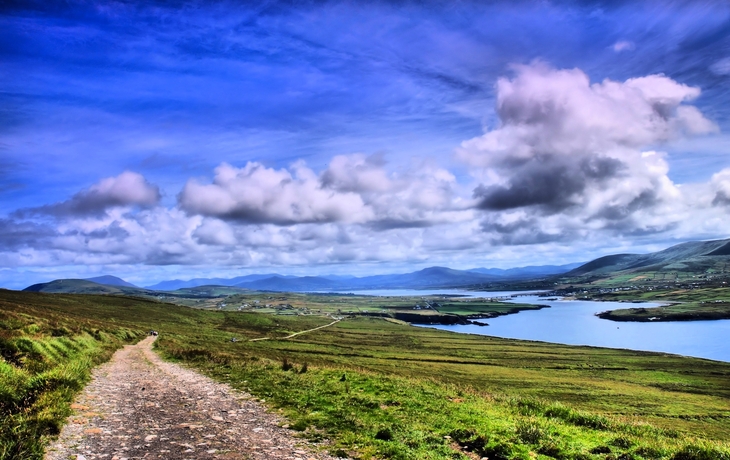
point(139, 406)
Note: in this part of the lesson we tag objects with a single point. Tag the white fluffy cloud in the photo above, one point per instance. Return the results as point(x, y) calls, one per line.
point(354, 189)
point(568, 147)
point(720, 188)
point(215, 232)
point(259, 194)
point(127, 189)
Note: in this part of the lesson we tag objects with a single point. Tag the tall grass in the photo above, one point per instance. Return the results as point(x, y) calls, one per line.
point(46, 361)
point(371, 415)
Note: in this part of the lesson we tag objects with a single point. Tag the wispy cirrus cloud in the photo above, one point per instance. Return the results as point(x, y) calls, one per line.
point(623, 45)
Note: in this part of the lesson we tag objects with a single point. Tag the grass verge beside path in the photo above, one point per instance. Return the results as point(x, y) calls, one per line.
point(47, 359)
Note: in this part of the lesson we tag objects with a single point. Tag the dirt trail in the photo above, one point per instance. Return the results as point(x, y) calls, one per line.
point(139, 406)
point(297, 333)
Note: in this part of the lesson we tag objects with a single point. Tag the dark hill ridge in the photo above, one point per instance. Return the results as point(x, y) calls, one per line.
point(605, 264)
point(110, 281)
point(79, 286)
point(723, 250)
point(693, 256)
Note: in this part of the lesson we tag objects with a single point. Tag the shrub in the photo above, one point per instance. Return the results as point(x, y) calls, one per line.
point(694, 452)
point(384, 434)
point(529, 432)
point(551, 450)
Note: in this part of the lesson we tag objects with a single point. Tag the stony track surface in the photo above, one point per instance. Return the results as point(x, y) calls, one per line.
point(140, 407)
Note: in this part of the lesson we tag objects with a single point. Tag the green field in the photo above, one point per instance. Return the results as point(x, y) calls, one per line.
point(423, 309)
point(380, 389)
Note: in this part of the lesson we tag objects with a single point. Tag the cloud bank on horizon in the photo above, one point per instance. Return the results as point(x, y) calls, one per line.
point(162, 142)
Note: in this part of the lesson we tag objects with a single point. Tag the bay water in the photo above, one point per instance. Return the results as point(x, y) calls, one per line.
point(573, 322)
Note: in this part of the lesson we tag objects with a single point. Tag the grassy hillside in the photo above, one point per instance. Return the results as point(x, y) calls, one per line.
point(47, 356)
point(384, 390)
point(77, 286)
point(695, 261)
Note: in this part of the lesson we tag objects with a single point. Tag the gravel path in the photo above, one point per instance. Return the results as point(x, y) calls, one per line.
point(139, 406)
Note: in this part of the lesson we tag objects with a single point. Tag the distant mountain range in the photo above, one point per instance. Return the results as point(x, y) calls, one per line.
point(428, 278)
point(535, 271)
point(172, 285)
point(696, 257)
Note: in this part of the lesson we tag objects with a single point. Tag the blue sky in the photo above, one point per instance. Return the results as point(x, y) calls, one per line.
point(152, 140)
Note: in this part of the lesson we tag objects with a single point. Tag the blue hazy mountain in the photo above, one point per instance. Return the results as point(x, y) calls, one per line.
point(532, 271)
point(173, 285)
point(432, 277)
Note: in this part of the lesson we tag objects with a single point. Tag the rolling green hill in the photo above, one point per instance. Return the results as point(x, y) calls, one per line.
point(79, 286)
point(686, 260)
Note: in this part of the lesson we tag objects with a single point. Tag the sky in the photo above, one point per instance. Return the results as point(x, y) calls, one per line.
point(162, 140)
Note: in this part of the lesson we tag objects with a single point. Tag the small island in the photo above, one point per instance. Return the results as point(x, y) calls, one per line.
point(691, 311)
point(466, 311)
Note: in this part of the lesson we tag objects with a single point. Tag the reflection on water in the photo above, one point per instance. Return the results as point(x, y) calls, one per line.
point(443, 292)
point(574, 322)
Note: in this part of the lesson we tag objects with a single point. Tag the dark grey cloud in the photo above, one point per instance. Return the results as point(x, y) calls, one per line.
point(631, 227)
point(162, 257)
point(15, 235)
point(114, 231)
point(548, 182)
point(394, 224)
point(645, 200)
point(721, 199)
point(525, 231)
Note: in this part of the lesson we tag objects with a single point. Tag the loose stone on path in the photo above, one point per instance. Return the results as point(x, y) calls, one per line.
point(139, 406)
